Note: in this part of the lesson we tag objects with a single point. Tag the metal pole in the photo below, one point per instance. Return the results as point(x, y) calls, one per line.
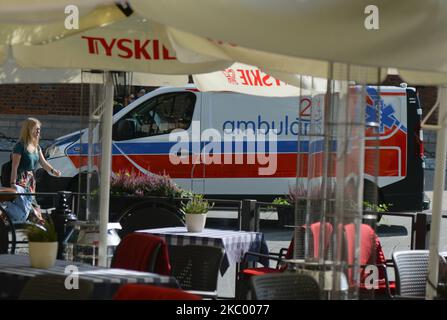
point(106, 165)
point(438, 191)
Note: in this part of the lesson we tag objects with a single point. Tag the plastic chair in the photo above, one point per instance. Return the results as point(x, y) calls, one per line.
point(411, 268)
point(196, 268)
point(149, 292)
point(149, 215)
point(371, 253)
point(52, 287)
point(242, 285)
point(285, 286)
point(142, 252)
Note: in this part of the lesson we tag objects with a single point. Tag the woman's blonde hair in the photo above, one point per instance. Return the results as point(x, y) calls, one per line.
point(25, 132)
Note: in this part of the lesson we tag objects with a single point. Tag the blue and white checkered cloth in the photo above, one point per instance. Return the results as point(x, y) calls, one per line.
point(15, 270)
point(235, 243)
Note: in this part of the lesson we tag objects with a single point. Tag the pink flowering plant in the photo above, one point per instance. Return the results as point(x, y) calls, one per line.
point(138, 184)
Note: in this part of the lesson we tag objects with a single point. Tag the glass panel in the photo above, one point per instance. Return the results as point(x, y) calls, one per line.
point(156, 116)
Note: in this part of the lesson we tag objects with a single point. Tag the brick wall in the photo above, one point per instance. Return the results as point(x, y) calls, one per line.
point(427, 95)
point(43, 99)
point(58, 106)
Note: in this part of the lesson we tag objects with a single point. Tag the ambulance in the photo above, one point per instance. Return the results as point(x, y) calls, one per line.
point(237, 146)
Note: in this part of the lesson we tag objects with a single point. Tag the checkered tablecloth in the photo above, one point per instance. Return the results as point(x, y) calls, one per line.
point(15, 270)
point(235, 243)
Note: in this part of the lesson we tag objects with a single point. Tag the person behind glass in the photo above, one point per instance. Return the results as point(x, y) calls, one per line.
point(25, 157)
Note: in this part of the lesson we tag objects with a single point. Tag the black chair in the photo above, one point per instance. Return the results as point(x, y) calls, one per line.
point(5, 234)
point(196, 268)
point(150, 214)
point(285, 286)
point(411, 268)
point(11, 234)
point(53, 287)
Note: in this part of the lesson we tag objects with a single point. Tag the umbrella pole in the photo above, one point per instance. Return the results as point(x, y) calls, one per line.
point(438, 192)
point(106, 165)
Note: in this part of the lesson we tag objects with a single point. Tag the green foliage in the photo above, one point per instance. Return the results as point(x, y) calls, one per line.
point(197, 205)
point(186, 194)
point(383, 207)
point(281, 201)
point(42, 233)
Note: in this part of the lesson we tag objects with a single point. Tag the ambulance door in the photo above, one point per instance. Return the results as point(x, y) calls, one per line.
point(143, 138)
point(196, 181)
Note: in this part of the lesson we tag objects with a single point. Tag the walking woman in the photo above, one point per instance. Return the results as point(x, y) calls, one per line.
point(25, 157)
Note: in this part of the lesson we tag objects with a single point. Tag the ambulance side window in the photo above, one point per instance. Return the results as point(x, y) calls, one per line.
point(156, 116)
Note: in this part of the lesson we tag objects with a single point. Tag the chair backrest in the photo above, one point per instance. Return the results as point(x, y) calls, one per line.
point(314, 240)
point(411, 268)
point(149, 215)
point(52, 287)
point(285, 286)
point(4, 233)
point(142, 252)
point(371, 252)
point(442, 267)
point(150, 292)
point(8, 233)
point(196, 267)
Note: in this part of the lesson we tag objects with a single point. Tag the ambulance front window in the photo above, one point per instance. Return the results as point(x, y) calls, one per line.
point(156, 116)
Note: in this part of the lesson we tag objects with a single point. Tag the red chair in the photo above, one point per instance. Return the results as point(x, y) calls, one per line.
point(242, 285)
point(142, 252)
point(149, 292)
point(371, 253)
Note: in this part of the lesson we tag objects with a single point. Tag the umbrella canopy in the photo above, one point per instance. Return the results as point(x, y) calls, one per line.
point(47, 22)
point(133, 44)
point(411, 34)
point(10, 72)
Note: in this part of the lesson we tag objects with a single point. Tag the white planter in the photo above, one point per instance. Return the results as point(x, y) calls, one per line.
point(42, 254)
point(195, 222)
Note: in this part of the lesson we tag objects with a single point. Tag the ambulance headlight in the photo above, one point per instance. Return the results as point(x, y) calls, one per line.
point(54, 151)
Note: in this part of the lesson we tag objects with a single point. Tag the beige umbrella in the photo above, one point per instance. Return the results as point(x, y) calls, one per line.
point(133, 44)
point(47, 23)
point(411, 34)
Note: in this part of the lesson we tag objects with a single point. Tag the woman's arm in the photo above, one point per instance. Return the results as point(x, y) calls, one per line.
point(48, 168)
point(15, 165)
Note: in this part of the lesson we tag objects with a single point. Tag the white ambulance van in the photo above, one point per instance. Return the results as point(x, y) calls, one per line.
point(151, 136)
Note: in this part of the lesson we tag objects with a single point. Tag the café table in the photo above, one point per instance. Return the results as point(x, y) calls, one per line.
point(235, 243)
point(15, 271)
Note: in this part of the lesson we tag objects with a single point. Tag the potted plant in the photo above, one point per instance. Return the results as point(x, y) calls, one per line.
point(42, 241)
point(195, 213)
point(128, 188)
point(376, 209)
point(286, 206)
